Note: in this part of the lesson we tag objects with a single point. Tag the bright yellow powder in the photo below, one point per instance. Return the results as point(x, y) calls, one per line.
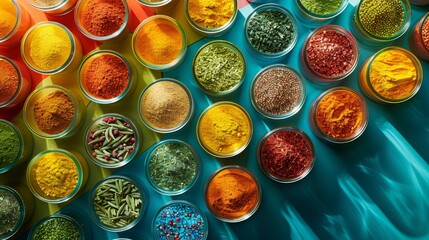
point(211, 13)
point(7, 17)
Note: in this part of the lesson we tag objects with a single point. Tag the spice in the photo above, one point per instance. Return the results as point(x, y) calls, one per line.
point(56, 175)
point(165, 105)
point(340, 114)
point(382, 18)
point(211, 13)
point(46, 3)
point(286, 154)
point(117, 202)
point(270, 31)
point(219, 67)
point(103, 17)
point(54, 112)
point(278, 91)
point(180, 220)
point(8, 17)
point(10, 212)
point(393, 74)
point(425, 33)
point(159, 42)
point(172, 166)
point(224, 129)
point(10, 147)
point(57, 228)
point(331, 53)
point(322, 7)
point(8, 80)
point(232, 193)
point(106, 77)
point(112, 140)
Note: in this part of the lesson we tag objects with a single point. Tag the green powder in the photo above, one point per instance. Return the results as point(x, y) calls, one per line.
point(172, 166)
point(10, 212)
point(322, 7)
point(382, 18)
point(57, 228)
point(9, 144)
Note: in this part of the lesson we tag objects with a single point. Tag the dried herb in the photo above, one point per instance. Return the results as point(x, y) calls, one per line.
point(10, 212)
point(57, 228)
point(9, 144)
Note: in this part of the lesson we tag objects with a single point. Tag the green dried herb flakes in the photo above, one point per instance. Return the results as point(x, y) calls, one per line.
point(322, 7)
point(9, 145)
point(117, 202)
point(10, 211)
point(57, 228)
point(218, 68)
point(172, 166)
point(270, 31)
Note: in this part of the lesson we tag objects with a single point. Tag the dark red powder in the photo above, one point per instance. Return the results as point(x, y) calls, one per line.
point(286, 154)
point(103, 17)
point(106, 77)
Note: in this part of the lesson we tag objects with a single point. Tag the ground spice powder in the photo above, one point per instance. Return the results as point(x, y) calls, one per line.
point(322, 7)
point(9, 144)
point(10, 211)
point(8, 80)
point(8, 17)
point(211, 13)
point(46, 3)
point(103, 17)
point(54, 113)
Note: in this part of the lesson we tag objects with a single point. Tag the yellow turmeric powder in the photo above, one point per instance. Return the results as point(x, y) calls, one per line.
point(8, 17)
point(224, 129)
point(211, 13)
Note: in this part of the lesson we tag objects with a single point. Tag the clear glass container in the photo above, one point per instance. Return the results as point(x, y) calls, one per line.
point(211, 32)
point(312, 19)
point(82, 175)
point(24, 84)
point(127, 158)
point(236, 50)
point(416, 40)
point(367, 87)
point(84, 68)
point(313, 75)
point(48, 221)
point(36, 95)
point(158, 6)
point(74, 57)
point(22, 23)
point(58, 7)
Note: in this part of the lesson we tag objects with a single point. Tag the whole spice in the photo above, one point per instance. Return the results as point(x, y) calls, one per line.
point(211, 13)
point(9, 145)
point(165, 105)
point(270, 31)
point(278, 91)
point(286, 154)
point(111, 140)
point(57, 228)
point(117, 202)
point(8, 17)
point(8, 80)
point(219, 67)
point(180, 220)
point(322, 7)
point(224, 129)
point(54, 112)
point(106, 77)
point(425, 33)
point(232, 193)
point(172, 166)
point(10, 212)
point(381, 18)
point(46, 3)
point(103, 17)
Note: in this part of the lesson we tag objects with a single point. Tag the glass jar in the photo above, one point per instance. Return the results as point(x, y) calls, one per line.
point(58, 7)
point(419, 38)
point(13, 36)
point(53, 223)
point(158, 6)
point(23, 86)
point(312, 18)
point(316, 49)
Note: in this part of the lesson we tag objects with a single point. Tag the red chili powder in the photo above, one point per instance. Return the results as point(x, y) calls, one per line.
point(103, 17)
point(286, 154)
point(106, 77)
point(8, 80)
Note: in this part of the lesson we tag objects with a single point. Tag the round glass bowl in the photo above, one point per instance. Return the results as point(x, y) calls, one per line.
point(158, 6)
point(377, 22)
point(172, 167)
point(339, 115)
point(122, 215)
point(53, 112)
point(17, 23)
point(329, 54)
point(189, 222)
point(224, 129)
point(16, 145)
point(263, 17)
point(55, 176)
point(211, 20)
point(379, 81)
point(159, 43)
point(286, 154)
point(219, 67)
point(51, 48)
point(112, 140)
point(166, 105)
point(314, 13)
point(419, 38)
point(277, 92)
point(232, 194)
point(106, 77)
point(55, 227)
point(15, 83)
point(95, 22)
point(54, 7)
